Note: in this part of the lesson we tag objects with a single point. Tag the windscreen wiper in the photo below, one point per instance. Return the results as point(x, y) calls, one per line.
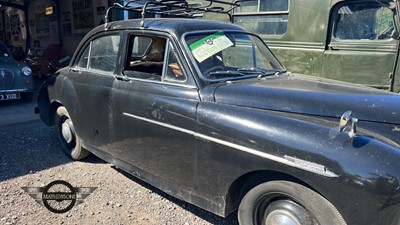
point(251, 70)
point(261, 72)
point(227, 72)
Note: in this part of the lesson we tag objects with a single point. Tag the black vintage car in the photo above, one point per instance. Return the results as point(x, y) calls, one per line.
point(205, 112)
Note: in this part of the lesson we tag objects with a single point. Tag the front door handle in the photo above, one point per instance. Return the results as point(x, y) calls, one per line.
point(75, 70)
point(122, 78)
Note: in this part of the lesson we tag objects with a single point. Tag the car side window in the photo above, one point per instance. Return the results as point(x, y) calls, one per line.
point(104, 53)
point(145, 59)
point(363, 21)
point(173, 71)
point(84, 58)
point(101, 54)
point(263, 17)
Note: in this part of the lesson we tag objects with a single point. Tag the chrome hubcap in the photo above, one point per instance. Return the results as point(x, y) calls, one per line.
point(281, 217)
point(66, 130)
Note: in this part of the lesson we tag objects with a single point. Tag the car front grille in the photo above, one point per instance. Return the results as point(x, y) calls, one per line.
point(6, 79)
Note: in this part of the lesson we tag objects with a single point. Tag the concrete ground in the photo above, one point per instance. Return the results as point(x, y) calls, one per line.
point(15, 112)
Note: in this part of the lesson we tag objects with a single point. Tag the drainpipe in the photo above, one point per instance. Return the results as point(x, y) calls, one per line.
point(4, 27)
point(58, 12)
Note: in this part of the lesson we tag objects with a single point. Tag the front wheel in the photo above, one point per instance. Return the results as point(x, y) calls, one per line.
point(66, 135)
point(286, 203)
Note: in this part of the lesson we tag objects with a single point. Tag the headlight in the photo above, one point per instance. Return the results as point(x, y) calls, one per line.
point(26, 71)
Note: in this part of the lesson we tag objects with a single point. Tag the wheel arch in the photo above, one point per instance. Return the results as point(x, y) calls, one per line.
point(243, 184)
point(47, 107)
point(53, 93)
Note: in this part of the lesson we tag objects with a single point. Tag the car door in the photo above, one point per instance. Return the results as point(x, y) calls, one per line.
point(154, 111)
point(93, 75)
point(361, 48)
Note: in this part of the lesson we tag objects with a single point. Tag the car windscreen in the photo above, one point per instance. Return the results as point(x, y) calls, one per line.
point(231, 55)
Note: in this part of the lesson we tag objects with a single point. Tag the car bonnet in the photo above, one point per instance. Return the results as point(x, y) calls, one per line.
point(312, 96)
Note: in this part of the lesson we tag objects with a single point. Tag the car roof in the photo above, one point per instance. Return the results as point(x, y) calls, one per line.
point(176, 26)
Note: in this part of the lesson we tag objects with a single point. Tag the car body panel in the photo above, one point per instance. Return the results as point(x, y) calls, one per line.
point(276, 134)
point(136, 103)
point(304, 95)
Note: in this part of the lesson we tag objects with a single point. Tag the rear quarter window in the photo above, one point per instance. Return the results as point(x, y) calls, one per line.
point(101, 54)
point(104, 53)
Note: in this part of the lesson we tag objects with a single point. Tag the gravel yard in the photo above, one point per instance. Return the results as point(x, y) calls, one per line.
point(30, 157)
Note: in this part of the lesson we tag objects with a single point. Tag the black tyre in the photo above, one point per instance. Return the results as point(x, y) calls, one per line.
point(286, 203)
point(66, 135)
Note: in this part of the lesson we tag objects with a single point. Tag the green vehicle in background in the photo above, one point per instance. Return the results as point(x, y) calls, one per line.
point(356, 41)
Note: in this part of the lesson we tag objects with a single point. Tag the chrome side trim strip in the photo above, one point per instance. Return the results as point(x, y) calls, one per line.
point(161, 124)
point(165, 82)
point(15, 90)
point(286, 160)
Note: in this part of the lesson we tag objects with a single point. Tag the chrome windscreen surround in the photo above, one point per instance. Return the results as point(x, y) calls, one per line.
point(6, 78)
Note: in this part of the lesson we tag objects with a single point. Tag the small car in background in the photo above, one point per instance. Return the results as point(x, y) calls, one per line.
point(204, 111)
point(16, 80)
point(44, 63)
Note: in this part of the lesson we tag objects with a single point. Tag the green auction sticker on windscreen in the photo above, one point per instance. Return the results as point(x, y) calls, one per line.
point(209, 46)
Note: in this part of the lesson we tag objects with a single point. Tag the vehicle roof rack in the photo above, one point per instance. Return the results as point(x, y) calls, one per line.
point(172, 8)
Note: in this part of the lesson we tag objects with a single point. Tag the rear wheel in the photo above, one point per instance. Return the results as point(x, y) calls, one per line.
point(286, 203)
point(66, 135)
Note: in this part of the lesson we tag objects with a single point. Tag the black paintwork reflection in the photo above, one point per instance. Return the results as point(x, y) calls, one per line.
point(163, 152)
